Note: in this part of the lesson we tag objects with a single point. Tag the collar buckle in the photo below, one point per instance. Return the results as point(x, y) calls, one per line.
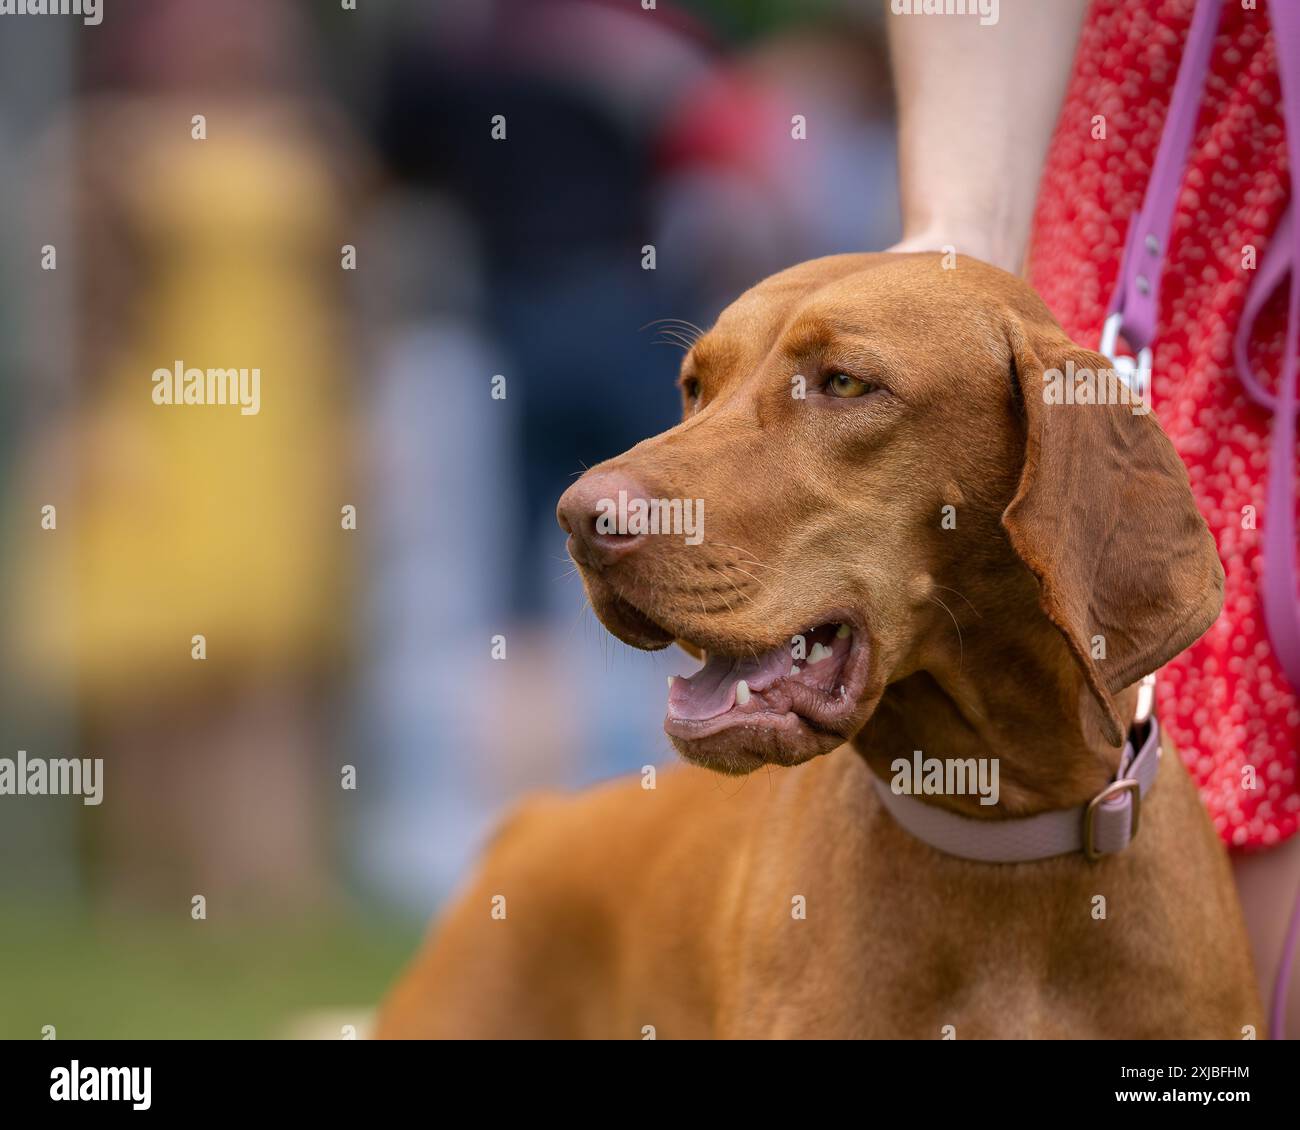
point(1114, 789)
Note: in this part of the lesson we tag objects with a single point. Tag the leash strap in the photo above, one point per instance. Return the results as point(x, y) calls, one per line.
point(1281, 613)
point(1135, 305)
point(1136, 299)
point(1103, 826)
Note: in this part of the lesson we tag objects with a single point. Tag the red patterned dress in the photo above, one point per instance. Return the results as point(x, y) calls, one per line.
point(1225, 702)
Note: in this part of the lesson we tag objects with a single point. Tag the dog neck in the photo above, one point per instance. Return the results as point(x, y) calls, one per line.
point(1021, 710)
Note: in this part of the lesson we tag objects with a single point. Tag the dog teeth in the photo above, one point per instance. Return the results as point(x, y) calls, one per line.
point(842, 632)
point(794, 668)
point(671, 679)
point(818, 653)
point(742, 693)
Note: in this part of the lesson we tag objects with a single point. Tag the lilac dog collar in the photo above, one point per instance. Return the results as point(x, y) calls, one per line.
point(1103, 826)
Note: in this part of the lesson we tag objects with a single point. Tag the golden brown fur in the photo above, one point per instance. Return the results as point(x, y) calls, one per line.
point(673, 907)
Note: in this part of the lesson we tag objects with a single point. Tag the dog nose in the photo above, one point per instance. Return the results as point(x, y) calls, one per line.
point(593, 512)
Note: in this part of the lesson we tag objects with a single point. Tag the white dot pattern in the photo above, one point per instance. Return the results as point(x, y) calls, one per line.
point(1225, 701)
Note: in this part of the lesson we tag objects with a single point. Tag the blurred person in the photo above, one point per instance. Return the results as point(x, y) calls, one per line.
point(440, 542)
point(208, 520)
point(561, 207)
point(555, 217)
point(998, 158)
point(733, 205)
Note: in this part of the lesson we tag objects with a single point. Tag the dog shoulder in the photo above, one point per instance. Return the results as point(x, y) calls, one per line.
point(511, 954)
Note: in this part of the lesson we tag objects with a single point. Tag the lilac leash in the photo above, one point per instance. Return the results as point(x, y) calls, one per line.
point(1280, 612)
point(1135, 305)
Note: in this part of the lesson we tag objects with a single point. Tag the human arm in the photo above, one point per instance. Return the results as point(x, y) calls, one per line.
point(976, 109)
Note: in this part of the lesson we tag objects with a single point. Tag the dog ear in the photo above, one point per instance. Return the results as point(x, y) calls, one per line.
point(1105, 520)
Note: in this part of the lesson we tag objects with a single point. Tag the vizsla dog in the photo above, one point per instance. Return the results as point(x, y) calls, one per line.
point(908, 546)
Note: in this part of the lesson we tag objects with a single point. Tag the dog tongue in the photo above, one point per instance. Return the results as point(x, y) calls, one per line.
point(712, 689)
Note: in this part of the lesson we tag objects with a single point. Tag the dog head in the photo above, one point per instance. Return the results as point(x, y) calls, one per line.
point(871, 452)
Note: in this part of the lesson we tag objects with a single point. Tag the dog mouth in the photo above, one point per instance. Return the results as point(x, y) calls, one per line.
point(811, 683)
point(752, 702)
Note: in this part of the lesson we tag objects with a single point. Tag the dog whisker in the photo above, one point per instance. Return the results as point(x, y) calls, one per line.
point(734, 587)
point(678, 331)
point(968, 603)
point(961, 648)
point(680, 324)
point(750, 575)
point(751, 560)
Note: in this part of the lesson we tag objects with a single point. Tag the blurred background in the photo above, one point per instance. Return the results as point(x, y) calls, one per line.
point(318, 192)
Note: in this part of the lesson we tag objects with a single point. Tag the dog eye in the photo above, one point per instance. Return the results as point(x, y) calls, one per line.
point(691, 390)
point(843, 385)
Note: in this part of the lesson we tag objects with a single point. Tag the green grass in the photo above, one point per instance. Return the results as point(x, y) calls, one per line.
point(129, 977)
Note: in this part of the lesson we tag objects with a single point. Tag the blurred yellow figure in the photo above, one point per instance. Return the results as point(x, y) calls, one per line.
point(201, 519)
point(207, 545)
